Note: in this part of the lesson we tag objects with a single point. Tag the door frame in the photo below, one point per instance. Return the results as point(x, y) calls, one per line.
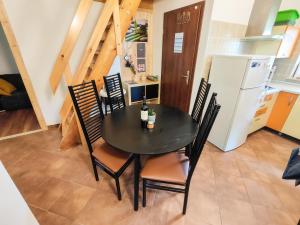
point(201, 4)
point(14, 47)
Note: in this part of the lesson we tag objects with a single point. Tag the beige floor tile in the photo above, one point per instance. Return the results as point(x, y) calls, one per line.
point(236, 212)
point(104, 208)
point(289, 196)
point(226, 168)
point(47, 193)
point(203, 207)
point(72, 201)
point(231, 187)
point(47, 218)
point(262, 193)
point(270, 216)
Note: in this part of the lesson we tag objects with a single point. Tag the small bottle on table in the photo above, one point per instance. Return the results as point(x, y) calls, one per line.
point(144, 113)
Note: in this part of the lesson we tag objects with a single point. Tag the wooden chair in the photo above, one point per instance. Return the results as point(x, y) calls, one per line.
point(89, 111)
point(114, 89)
point(176, 169)
point(198, 108)
point(200, 100)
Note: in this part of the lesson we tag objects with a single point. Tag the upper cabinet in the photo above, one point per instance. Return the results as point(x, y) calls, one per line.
point(290, 37)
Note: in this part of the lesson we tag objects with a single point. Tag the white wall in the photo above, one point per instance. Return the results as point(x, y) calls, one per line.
point(159, 8)
point(291, 4)
point(232, 11)
point(7, 62)
point(40, 27)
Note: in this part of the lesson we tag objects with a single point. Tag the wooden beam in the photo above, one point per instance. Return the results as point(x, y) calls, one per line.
point(10, 36)
point(69, 43)
point(71, 137)
point(88, 54)
point(68, 75)
point(108, 52)
point(116, 16)
point(145, 4)
point(106, 57)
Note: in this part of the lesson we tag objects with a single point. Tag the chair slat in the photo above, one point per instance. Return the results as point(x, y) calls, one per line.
point(200, 100)
point(88, 108)
point(114, 91)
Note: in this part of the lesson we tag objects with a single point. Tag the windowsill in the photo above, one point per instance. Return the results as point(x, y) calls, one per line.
point(292, 81)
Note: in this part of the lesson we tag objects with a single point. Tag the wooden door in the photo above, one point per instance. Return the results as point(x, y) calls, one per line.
point(281, 110)
point(180, 45)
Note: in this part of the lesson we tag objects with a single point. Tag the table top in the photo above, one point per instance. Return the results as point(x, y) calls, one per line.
point(13, 208)
point(173, 130)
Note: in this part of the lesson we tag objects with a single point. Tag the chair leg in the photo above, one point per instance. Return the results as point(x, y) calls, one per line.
point(118, 188)
point(144, 193)
point(95, 170)
point(188, 149)
point(186, 195)
point(105, 105)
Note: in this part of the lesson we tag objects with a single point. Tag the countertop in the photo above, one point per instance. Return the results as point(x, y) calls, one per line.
point(13, 208)
point(284, 86)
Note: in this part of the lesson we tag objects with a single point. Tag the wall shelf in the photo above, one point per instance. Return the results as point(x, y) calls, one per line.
point(137, 90)
point(263, 38)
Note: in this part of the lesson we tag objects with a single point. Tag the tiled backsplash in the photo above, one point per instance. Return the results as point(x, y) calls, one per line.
point(285, 66)
point(224, 38)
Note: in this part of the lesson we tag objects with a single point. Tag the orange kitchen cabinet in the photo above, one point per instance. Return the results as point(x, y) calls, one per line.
point(281, 110)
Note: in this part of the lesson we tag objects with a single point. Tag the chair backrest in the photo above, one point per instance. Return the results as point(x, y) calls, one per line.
point(200, 100)
point(87, 105)
point(203, 132)
point(114, 89)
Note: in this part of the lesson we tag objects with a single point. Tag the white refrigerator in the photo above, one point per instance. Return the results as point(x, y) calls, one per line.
point(239, 81)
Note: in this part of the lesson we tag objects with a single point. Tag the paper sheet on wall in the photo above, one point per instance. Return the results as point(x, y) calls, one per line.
point(178, 42)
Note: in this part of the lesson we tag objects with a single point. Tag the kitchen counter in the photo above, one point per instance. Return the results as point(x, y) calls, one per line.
point(13, 208)
point(284, 86)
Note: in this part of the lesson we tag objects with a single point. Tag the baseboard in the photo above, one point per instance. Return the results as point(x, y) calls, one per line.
point(282, 134)
point(20, 134)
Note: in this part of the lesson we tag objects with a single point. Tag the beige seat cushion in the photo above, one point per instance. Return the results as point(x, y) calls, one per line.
point(109, 156)
point(172, 167)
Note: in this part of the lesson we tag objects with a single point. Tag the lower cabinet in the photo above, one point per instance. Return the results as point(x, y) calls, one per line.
point(292, 124)
point(137, 90)
point(281, 110)
point(262, 114)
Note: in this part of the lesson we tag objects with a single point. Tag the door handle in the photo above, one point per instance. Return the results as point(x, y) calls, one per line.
point(187, 77)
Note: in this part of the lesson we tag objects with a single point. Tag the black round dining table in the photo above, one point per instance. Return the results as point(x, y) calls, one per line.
point(173, 130)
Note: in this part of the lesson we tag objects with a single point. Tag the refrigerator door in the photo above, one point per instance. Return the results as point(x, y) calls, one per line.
point(246, 107)
point(257, 73)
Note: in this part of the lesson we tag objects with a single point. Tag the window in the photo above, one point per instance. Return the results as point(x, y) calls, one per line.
point(296, 71)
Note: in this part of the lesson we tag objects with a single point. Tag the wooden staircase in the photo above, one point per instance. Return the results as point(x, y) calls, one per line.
point(104, 45)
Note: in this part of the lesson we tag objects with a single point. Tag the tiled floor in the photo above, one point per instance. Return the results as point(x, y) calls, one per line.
point(242, 187)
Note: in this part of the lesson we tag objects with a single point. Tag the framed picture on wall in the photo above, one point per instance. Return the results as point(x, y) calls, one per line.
point(141, 65)
point(138, 31)
point(140, 50)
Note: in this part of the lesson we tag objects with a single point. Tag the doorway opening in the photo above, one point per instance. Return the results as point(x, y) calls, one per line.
point(16, 113)
point(22, 84)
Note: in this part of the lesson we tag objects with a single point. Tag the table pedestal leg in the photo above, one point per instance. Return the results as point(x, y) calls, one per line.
point(137, 165)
